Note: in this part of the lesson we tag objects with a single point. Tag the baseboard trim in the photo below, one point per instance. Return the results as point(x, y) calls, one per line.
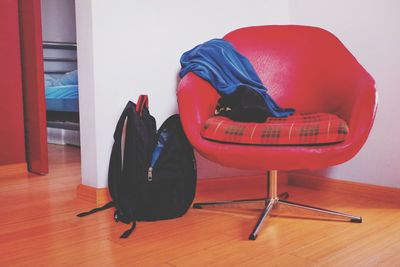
point(13, 169)
point(282, 178)
point(237, 187)
point(98, 196)
point(101, 196)
point(256, 184)
point(382, 193)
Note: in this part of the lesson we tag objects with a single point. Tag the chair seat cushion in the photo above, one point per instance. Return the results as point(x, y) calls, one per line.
point(298, 129)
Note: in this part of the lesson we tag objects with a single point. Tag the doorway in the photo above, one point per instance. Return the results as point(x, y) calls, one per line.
point(48, 47)
point(60, 72)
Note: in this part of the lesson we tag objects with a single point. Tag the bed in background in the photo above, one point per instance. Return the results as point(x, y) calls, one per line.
point(62, 93)
point(62, 97)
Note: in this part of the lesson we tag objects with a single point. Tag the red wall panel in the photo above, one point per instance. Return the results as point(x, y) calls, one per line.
point(33, 86)
point(12, 144)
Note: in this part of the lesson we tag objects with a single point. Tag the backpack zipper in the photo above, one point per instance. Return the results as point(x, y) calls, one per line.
point(150, 174)
point(164, 144)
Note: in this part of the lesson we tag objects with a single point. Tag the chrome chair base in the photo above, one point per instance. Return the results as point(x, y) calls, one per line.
point(274, 200)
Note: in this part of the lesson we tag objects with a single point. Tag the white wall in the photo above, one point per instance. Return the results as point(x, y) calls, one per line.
point(58, 20)
point(127, 47)
point(87, 97)
point(370, 29)
point(131, 47)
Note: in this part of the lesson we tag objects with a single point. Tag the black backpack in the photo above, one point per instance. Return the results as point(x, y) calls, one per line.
point(152, 174)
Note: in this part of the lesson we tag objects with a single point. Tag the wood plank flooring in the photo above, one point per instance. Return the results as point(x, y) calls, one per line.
point(38, 227)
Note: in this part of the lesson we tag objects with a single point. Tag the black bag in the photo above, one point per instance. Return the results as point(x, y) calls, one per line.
point(152, 175)
point(244, 104)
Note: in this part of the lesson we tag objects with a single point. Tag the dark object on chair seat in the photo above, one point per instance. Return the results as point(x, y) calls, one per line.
point(305, 129)
point(244, 104)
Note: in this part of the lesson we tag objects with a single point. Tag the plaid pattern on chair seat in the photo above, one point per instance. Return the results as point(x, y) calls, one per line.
point(298, 129)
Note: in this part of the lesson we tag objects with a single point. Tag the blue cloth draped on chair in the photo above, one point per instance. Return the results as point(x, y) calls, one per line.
point(217, 62)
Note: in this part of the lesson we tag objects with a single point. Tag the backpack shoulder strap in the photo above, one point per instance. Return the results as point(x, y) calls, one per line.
point(115, 165)
point(115, 168)
point(106, 206)
point(128, 232)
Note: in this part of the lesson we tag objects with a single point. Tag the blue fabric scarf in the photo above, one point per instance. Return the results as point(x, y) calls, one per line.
point(217, 62)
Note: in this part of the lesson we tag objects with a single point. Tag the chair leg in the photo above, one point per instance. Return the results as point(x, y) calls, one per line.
point(226, 202)
point(262, 218)
point(200, 205)
point(355, 219)
point(273, 200)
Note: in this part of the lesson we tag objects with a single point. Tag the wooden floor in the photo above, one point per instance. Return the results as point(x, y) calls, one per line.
point(38, 227)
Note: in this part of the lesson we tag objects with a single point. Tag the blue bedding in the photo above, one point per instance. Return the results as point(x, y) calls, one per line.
point(62, 93)
point(62, 98)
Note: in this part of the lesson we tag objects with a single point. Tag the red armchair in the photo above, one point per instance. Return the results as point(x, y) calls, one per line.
point(303, 67)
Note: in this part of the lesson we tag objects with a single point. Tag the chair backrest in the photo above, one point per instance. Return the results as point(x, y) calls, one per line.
point(306, 68)
point(303, 67)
